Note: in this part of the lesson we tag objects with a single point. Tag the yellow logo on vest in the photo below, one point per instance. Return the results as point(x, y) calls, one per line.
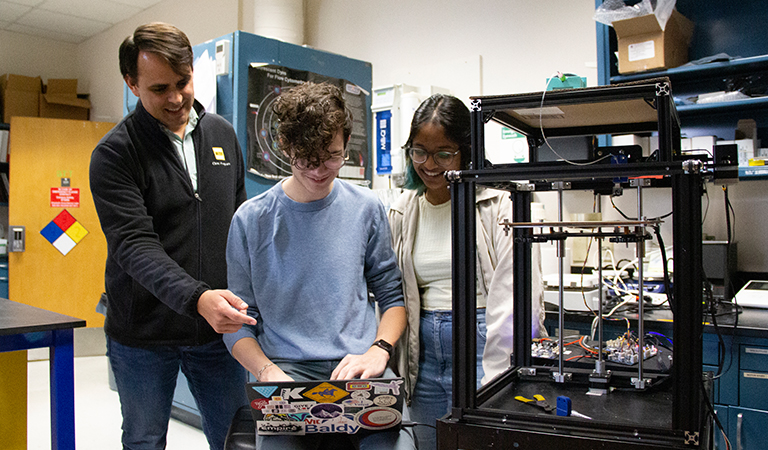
point(218, 153)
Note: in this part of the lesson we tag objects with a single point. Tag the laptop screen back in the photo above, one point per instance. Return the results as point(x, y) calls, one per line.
point(326, 406)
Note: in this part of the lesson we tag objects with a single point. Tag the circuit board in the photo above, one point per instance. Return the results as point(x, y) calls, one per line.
point(621, 350)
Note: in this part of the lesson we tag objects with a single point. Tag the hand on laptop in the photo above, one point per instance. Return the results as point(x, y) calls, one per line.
point(370, 364)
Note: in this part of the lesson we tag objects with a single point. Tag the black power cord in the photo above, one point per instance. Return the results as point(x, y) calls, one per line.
point(711, 412)
point(408, 424)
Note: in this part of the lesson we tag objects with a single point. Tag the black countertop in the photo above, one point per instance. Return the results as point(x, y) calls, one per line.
point(18, 318)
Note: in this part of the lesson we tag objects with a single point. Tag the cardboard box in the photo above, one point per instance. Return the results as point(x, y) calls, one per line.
point(60, 101)
point(706, 143)
point(20, 96)
point(643, 45)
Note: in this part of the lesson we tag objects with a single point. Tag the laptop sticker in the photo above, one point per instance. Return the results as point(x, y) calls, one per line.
point(378, 418)
point(326, 393)
point(265, 391)
point(326, 406)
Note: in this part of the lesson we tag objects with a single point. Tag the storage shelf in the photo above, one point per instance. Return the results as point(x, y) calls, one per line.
point(719, 118)
point(694, 72)
point(753, 173)
point(689, 81)
point(745, 104)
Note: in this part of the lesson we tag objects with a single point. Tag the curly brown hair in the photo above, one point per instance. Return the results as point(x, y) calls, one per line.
point(310, 115)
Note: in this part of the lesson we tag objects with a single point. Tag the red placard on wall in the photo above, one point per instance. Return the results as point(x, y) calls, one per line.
point(65, 197)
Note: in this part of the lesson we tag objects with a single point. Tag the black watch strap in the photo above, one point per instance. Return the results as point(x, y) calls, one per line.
point(381, 343)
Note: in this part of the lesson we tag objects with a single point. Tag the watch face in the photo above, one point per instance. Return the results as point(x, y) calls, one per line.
point(385, 345)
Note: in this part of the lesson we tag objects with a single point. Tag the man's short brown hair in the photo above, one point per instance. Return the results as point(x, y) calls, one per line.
point(162, 39)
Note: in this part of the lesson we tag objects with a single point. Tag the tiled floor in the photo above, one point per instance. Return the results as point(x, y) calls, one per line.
point(97, 410)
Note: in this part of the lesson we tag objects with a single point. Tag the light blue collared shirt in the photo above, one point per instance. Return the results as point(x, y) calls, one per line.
point(186, 147)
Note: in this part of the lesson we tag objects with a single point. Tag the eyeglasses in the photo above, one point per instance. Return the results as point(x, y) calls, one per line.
point(335, 162)
point(442, 159)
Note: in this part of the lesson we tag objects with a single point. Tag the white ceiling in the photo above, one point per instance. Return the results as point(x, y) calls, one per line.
point(67, 20)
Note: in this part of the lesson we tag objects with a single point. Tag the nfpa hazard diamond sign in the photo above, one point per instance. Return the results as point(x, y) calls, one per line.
point(64, 232)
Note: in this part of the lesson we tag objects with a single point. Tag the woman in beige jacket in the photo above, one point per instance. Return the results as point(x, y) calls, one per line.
point(420, 220)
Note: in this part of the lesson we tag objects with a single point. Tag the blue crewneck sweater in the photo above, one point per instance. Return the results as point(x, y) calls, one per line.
point(305, 270)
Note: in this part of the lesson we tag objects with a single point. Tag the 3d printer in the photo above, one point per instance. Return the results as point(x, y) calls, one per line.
point(629, 394)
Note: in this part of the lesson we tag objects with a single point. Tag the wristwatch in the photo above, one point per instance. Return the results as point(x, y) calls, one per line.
point(386, 346)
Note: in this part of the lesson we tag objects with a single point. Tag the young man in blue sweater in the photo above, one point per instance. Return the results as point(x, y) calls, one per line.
point(304, 255)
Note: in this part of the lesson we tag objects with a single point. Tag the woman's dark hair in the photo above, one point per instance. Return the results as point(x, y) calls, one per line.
point(162, 39)
point(450, 113)
point(310, 115)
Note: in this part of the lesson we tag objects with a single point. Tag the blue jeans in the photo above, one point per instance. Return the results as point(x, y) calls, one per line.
point(146, 381)
point(431, 397)
point(395, 438)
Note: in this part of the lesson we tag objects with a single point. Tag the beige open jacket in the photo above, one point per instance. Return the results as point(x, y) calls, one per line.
point(494, 280)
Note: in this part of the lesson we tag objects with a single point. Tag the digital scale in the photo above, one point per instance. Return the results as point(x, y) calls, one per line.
point(754, 294)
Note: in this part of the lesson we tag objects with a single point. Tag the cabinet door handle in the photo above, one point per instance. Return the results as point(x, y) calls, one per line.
point(739, 421)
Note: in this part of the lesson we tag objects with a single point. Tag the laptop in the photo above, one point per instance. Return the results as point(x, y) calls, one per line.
point(326, 406)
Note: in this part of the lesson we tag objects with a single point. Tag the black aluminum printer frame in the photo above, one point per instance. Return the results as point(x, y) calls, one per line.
point(470, 424)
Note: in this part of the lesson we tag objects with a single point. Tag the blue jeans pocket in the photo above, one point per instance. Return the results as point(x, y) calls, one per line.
point(482, 331)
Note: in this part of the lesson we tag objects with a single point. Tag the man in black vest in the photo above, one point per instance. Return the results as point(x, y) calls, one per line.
point(166, 182)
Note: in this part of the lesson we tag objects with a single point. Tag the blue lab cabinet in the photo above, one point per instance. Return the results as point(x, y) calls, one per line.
point(232, 103)
point(753, 375)
point(726, 391)
point(232, 88)
point(3, 277)
point(746, 429)
point(741, 391)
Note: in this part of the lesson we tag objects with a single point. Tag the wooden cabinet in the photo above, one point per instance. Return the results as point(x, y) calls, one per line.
point(4, 136)
point(62, 266)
